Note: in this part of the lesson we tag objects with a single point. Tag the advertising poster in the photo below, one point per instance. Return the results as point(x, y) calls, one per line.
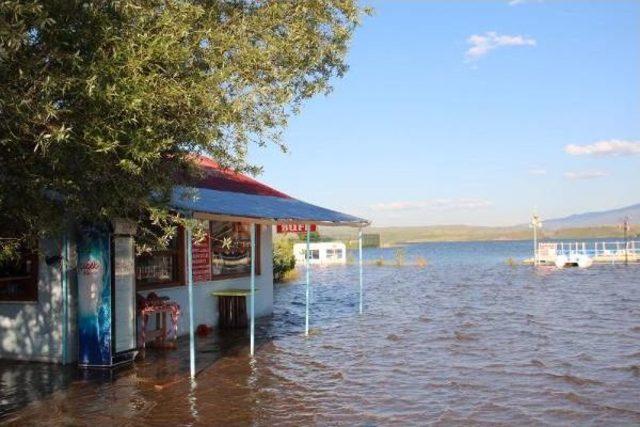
point(124, 294)
point(94, 297)
point(201, 261)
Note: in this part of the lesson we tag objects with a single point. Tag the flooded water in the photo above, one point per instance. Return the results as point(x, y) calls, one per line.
point(468, 339)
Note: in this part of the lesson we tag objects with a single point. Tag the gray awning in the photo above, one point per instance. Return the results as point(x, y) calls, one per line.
point(209, 203)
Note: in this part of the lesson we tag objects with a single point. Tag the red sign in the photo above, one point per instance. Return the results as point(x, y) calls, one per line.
point(201, 260)
point(90, 268)
point(295, 228)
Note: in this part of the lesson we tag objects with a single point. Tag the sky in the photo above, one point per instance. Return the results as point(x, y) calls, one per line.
point(475, 112)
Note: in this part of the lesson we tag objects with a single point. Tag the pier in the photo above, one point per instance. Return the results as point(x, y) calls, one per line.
point(601, 252)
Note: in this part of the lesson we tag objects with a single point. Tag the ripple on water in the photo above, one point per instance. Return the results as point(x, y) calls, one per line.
point(467, 340)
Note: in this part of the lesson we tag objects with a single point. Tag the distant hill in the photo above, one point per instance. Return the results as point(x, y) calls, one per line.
point(390, 236)
point(580, 226)
point(594, 219)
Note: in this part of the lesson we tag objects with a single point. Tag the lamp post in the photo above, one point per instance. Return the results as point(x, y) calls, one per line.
point(626, 226)
point(535, 224)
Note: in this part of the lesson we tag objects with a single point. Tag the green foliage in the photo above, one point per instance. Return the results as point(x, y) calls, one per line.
point(314, 236)
point(9, 253)
point(350, 258)
point(284, 260)
point(102, 104)
point(421, 262)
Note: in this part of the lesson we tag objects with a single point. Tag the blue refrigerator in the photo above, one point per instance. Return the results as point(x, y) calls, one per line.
point(106, 298)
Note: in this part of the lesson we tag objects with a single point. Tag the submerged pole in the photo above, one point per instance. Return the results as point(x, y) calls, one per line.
point(360, 266)
point(535, 247)
point(253, 289)
point(535, 223)
point(192, 344)
point(625, 224)
point(306, 309)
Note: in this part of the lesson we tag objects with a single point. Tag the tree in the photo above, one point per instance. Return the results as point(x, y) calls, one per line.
point(314, 236)
point(103, 103)
point(284, 260)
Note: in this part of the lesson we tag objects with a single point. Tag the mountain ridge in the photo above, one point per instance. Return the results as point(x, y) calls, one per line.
point(596, 218)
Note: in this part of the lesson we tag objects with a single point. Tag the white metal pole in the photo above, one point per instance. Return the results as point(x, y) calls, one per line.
point(360, 267)
point(613, 258)
point(535, 244)
point(308, 255)
point(253, 288)
point(192, 344)
point(65, 298)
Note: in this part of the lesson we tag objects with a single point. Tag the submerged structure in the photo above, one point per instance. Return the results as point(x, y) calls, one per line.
point(585, 254)
point(321, 252)
point(77, 299)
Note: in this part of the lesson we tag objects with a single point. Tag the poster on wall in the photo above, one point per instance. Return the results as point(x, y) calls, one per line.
point(230, 248)
point(201, 259)
point(94, 297)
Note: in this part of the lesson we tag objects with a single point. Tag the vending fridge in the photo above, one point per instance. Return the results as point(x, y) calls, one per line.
point(106, 295)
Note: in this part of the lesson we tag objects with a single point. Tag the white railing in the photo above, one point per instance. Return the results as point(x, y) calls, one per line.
point(613, 250)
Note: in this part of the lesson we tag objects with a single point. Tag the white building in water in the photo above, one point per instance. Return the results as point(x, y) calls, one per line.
point(74, 299)
point(321, 253)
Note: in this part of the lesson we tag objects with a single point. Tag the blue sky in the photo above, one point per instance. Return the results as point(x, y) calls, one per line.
point(474, 113)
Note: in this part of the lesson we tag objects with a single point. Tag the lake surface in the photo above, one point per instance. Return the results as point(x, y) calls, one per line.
point(468, 339)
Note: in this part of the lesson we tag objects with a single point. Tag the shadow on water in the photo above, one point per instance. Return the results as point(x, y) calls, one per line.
point(22, 383)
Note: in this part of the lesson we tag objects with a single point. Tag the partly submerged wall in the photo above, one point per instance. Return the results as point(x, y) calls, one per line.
point(34, 330)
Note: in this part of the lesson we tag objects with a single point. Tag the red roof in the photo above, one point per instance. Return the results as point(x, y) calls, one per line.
point(217, 178)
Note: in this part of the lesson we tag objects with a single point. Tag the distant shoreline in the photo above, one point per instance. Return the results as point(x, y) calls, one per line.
point(417, 242)
point(402, 236)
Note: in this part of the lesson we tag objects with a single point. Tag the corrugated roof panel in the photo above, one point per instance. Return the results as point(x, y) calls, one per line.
point(216, 178)
point(277, 209)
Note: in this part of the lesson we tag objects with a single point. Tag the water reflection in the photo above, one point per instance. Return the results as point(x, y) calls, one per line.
point(193, 399)
point(475, 341)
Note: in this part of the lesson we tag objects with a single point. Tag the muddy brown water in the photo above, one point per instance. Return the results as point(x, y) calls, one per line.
point(471, 341)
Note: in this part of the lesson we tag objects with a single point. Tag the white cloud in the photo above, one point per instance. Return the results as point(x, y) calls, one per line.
point(537, 171)
point(574, 176)
point(482, 44)
point(519, 2)
point(433, 204)
point(612, 147)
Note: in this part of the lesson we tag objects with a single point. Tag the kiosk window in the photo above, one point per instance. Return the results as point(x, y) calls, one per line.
point(19, 278)
point(162, 267)
point(313, 254)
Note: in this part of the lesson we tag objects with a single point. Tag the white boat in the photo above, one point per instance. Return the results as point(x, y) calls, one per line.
point(574, 260)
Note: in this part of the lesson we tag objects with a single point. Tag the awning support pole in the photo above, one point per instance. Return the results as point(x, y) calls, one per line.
point(360, 266)
point(192, 344)
point(306, 313)
point(65, 298)
point(253, 289)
